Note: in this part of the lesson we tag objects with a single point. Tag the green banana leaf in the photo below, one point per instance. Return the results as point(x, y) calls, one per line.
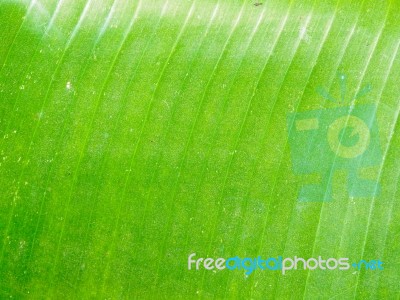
point(136, 133)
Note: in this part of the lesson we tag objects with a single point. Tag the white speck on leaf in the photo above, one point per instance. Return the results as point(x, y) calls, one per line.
point(303, 34)
point(22, 244)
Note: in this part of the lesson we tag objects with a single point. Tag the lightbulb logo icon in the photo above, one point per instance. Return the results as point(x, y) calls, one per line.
point(340, 138)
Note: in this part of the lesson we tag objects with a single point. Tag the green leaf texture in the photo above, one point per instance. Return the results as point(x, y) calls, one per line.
point(134, 133)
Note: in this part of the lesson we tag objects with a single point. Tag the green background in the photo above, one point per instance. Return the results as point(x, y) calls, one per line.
point(133, 133)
